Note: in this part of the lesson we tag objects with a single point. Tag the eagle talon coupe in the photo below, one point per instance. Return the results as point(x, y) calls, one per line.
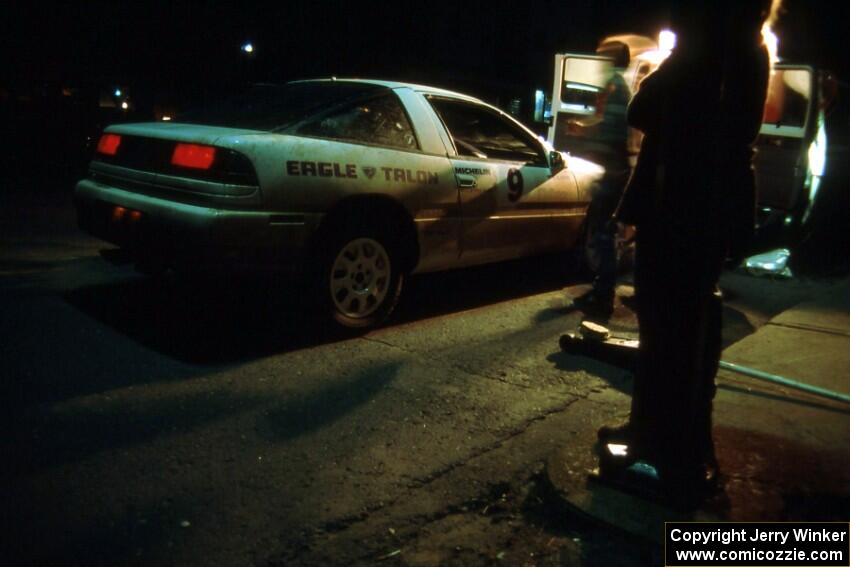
point(354, 183)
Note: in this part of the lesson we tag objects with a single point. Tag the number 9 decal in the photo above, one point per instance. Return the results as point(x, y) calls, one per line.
point(514, 185)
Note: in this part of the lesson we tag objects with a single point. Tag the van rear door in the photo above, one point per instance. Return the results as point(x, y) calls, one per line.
point(577, 95)
point(785, 177)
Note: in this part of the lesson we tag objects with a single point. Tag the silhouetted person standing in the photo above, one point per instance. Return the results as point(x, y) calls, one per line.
point(692, 197)
point(613, 155)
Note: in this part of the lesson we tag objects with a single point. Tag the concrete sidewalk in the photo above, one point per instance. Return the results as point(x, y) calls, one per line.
point(784, 453)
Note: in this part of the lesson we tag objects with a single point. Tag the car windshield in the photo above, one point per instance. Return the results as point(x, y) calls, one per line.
point(271, 107)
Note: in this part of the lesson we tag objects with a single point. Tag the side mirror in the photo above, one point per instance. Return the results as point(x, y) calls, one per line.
point(556, 161)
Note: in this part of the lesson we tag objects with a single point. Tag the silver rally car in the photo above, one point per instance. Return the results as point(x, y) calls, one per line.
point(354, 183)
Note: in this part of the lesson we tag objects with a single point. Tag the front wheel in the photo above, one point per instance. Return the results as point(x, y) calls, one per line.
point(359, 280)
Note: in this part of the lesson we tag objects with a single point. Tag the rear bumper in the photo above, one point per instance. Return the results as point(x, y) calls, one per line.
point(181, 232)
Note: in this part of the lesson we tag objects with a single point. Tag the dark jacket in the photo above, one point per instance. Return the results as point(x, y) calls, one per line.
point(699, 118)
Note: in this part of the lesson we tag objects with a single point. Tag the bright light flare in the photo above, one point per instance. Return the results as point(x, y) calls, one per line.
point(771, 42)
point(117, 92)
point(166, 118)
point(666, 40)
point(618, 450)
point(125, 105)
point(248, 47)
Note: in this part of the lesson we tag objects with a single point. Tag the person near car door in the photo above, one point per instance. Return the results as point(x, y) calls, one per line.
point(611, 154)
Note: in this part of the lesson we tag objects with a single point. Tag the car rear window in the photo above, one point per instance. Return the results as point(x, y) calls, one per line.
point(378, 120)
point(271, 107)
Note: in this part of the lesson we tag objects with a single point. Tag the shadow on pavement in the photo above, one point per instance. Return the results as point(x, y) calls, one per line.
point(431, 295)
point(219, 319)
point(50, 437)
point(118, 541)
point(298, 415)
point(209, 320)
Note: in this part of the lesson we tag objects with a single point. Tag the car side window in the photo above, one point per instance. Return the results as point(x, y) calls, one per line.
point(379, 120)
point(480, 132)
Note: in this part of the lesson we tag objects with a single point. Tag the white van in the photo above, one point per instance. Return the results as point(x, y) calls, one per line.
point(791, 147)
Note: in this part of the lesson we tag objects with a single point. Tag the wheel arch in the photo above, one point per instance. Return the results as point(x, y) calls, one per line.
point(375, 208)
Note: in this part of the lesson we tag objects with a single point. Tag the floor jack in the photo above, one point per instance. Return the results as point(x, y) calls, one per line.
point(596, 341)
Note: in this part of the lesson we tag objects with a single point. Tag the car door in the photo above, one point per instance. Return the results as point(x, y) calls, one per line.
point(381, 145)
point(790, 127)
point(513, 203)
point(577, 97)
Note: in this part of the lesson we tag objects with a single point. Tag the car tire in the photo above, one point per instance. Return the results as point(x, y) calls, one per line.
point(358, 277)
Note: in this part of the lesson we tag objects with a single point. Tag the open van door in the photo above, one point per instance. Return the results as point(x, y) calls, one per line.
point(791, 151)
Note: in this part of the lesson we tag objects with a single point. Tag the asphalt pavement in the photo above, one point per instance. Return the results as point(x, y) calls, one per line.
point(199, 421)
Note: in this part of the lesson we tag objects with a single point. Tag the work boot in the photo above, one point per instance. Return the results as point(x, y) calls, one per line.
point(620, 446)
point(595, 304)
point(645, 470)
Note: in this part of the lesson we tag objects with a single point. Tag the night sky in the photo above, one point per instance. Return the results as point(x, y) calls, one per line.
point(181, 47)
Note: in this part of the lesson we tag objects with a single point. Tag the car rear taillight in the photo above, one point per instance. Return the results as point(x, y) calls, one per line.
point(108, 144)
point(195, 156)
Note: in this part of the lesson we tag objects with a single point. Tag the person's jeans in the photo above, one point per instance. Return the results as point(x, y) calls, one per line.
point(679, 314)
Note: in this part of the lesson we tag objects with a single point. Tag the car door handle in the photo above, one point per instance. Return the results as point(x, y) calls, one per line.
point(466, 181)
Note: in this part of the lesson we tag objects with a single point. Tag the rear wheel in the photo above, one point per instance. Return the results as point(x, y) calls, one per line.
point(358, 278)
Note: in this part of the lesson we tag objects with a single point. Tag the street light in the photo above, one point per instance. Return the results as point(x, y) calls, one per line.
point(248, 47)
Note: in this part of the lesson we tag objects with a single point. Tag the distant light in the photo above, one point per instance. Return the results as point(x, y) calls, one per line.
point(248, 48)
point(166, 118)
point(666, 40)
point(771, 42)
point(124, 105)
point(117, 92)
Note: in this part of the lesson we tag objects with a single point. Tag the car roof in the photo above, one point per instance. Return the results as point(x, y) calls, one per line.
point(396, 85)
